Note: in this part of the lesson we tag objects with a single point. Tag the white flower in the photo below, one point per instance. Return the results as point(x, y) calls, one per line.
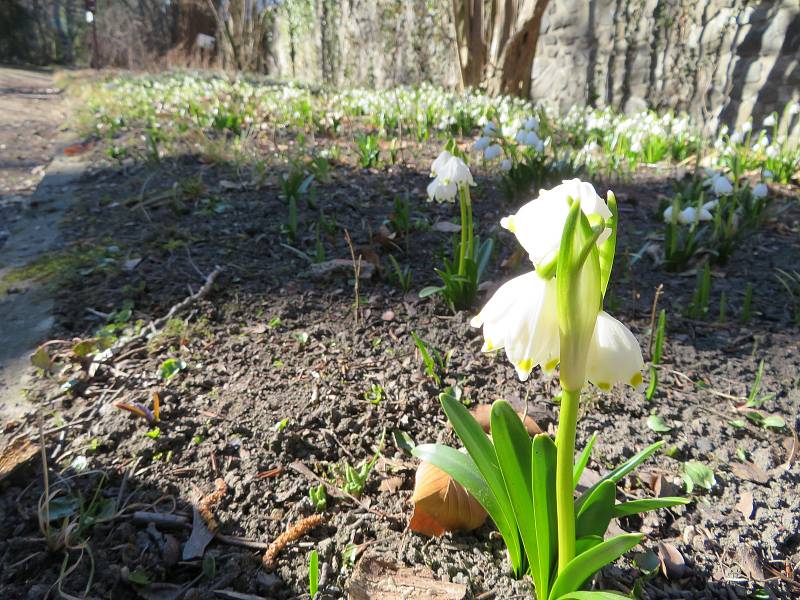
point(760, 190)
point(439, 163)
point(505, 165)
point(539, 223)
point(442, 191)
point(711, 204)
point(770, 121)
point(767, 174)
point(493, 152)
point(688, 215)
point(719, 184)
point(522, 318)
point(490, 129)
point(747, 126)
point(614, 355)
point(794, 108)
point(531, 124)
point(481, 144)
point(531, 139)
point(450, 173)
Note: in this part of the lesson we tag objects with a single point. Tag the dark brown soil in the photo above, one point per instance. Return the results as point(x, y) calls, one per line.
point(246, 374)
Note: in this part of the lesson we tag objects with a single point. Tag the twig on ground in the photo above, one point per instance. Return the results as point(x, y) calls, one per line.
point(294, 532)
point(356, 272)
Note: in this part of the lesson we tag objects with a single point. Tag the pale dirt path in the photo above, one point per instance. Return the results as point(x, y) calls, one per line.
point(33, 196)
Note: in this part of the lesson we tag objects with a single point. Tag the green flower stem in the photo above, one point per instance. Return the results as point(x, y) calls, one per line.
point(565, 455)
point(465, 249)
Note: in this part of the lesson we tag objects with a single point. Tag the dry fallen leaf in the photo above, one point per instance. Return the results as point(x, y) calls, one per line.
point(750, 564)
point(672, 564)
point(750, 471)
point(391, 484)
point(375, 578)
point(441, 504)
point(745, 505)
point(482, 414)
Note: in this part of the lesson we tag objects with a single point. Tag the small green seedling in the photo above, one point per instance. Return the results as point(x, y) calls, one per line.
point(402, 275)
point(697, 474)
point(435, 363)
point(658, 348)
point(318, 497)
point(702, 294)
point(375, 394)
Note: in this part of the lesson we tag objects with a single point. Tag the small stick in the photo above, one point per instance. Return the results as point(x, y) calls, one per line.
point(356, 271)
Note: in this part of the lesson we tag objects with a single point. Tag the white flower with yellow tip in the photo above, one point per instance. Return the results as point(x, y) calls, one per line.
point(539, 223)
point(521, 318)
point(450, 173)
point(614, 355)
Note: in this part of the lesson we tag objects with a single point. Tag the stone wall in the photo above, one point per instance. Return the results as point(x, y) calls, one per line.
point(719, 60)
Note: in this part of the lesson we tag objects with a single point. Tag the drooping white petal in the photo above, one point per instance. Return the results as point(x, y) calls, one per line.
point(691, 215)
point(481, 144)
point(493, 152)
point(668, 214)
point(441, 190)
point(760, 190)
point(522, 318)
point(539, 223)
point(440, 162)
point(614, 354)
point(711, 204)
point(456, 171)
point(505, 165)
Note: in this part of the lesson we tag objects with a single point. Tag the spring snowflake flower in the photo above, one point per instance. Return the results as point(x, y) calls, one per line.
point(794, 108)
point(493, 152)
point(760, 190)
point(481, 144)
point(450, 173)
point(719, 184)
point(505, 165)
point(531, 124)
point(539, 223)
point(522, 316)
point(769, 121)
point(688, 215)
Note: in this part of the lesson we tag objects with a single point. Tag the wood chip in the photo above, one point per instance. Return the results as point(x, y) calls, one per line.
point(379, 579)
point(745, 505)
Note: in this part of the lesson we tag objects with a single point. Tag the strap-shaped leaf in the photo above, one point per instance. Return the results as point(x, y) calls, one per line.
point(608, 248)
point(598, 510)
point(587, 543)
point(543, 487)
point(481, 450)
point(583, 460)
point(585, 565)
point(633, 507)
point(593, 596)
point(512, 445)
point(622, 470)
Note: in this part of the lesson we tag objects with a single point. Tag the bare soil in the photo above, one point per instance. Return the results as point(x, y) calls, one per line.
point(278, 367)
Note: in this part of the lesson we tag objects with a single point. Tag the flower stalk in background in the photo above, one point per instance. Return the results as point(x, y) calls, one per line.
point(451, 178)
point(552, 317)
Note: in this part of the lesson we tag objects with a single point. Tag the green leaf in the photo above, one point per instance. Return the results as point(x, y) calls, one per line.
point(624, 509)
point(697, 474)
point(622, 470)
point(658, 424)
point(482, 451)
point(403, 441)
point(462, 468)
point(63, 506)
point(652, 386)
point(774, 421)
point(658, 345)
point(593, 596)
point(587, 543)
point(430, 291)
point(583, 460)
point(543, 488)
point(512, 445)
point(597, 511)
point(170, 367)
point(313, 573)
point(608, 248)
point(584, 566)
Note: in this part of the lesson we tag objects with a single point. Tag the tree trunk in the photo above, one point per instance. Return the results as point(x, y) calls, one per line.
point(497, 43)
